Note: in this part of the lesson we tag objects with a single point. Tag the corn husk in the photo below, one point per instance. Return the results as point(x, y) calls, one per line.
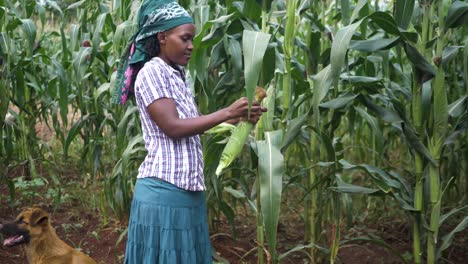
point(238, 138)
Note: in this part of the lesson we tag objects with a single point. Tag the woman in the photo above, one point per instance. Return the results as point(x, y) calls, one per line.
point(168, 218)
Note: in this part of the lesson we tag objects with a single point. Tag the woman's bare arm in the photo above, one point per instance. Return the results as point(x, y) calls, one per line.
point(163, 111)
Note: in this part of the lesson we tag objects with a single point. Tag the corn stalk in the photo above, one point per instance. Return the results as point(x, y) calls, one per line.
point(418, 160)
point(312, 211)
point(288, 47)
point(440, 115)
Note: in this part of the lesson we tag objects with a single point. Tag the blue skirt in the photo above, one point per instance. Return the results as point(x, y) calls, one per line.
point(167, 225)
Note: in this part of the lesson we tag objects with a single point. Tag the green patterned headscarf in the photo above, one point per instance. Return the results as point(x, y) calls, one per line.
point(154, 16)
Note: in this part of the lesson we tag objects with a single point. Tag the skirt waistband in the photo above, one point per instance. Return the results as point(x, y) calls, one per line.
point(156, 191)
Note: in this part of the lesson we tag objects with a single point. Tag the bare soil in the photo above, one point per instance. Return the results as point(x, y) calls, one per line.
point(82, 228)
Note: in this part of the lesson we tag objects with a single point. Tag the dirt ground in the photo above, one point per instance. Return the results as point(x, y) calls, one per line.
point(83, 229)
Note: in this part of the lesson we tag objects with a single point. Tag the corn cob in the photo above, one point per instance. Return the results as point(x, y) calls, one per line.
point(221, 128)
point(238, 138)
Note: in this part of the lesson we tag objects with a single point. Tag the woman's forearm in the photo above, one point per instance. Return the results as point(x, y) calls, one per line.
point(181, 128)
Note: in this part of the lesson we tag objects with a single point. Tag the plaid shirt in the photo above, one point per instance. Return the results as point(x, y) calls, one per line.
point(178, 161)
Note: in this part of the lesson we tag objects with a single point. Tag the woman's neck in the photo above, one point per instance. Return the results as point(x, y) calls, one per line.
point(164, 58)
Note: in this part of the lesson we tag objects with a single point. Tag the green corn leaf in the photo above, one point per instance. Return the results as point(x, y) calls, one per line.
point(301, 247)
point(121, 32)
point(449, 54)
point(457, 15)
point(373, 45)
point(4, 43)
point(406, 191)
point(458, 107)
point(385, 114)
point(136, 144)
point(217, 55)
point(294, 128)
point(357, 9)
point(403, 12)
point(55, 6)
point(63, 91)
point(387, 182)
point(76, 5)
point(227, 81)
point(105, 87)
point(415, 142)
point(345, 12)
point(121, 237)
point(80, 62)
point(269, 102)
point(380, 177)
point(21, 93)
point(462, 123)
point(130, 112)
point(65, 51)
point(371, 84)
point(331, 74)
point(236, 193)
point(303, 6)
point(249, 8)
point(74, 131)
point(74, 37)
point(424, 70)
point(254, 44)
point(235, 51)
point(42, 13)
point(340, 48)
point(3, 10)
point(101, 21)
point(340, 102)
point(343, 187)
point(13, 24)
point(271, 170)
point(29, 29)
point(386, 22)
point(373, 123)
point(322, 83)
point(446, 241)
point(452, 212)
point(327, 143)
point(240, 195)
point(268, 65)
point(197, 65)
point(201, 15)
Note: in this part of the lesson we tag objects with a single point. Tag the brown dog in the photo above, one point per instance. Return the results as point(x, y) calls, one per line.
point(42, 245)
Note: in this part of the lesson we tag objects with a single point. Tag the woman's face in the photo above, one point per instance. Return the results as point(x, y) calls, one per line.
point(176, 44)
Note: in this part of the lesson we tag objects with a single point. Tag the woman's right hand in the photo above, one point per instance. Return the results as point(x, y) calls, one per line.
point(239, 110)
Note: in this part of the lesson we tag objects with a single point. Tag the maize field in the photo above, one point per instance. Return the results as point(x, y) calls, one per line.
point(361, 156)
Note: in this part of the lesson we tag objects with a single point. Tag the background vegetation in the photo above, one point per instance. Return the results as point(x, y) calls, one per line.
point(367, 109)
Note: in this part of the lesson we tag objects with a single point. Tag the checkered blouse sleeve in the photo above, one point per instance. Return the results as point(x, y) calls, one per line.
point(153, 83)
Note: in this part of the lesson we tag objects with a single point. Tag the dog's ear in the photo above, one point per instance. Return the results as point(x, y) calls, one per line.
point(39, 217)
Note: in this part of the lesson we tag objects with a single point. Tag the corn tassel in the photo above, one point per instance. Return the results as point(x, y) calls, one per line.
point(238, 138)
